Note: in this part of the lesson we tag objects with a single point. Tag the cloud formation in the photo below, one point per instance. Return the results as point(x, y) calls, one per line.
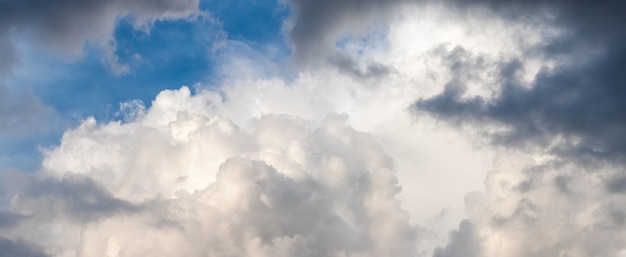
point(197, 184)
point(579, 99)
point(533, 209)
point(332, 163)
point(543, 202)
point(555, 94)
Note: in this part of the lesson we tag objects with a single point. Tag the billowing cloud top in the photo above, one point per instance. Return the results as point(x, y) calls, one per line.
point(181, 181)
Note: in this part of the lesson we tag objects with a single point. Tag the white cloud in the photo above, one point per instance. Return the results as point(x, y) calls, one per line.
point(202, 186)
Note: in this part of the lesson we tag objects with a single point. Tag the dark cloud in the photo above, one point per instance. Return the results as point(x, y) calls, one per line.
point(581, 101)
point(575, 109)
point(318, 23)
point(350, 66)
point(67, 25)
point(15, 248)
point(584, 101)
point(584, 98)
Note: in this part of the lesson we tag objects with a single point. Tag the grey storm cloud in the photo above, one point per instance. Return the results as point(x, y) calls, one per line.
point(574, 110)
point(582, 100)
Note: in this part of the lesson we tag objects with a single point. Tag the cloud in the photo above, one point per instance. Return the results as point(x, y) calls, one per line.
point(462, 242)
point(559, 194)
point(196, 184)
point(19, 248)
point(328, 162)
point(540, 78)
point(315, 27)
point(66, 26)
point(255, 165)
point(317, 24)
point(577, 100)
point(346, 64)
point(522, 213)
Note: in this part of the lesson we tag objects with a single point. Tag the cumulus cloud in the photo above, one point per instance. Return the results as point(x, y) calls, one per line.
point(182, 181)
point(524, 213)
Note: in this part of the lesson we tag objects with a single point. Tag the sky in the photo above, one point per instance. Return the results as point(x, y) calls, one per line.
point(361, 128)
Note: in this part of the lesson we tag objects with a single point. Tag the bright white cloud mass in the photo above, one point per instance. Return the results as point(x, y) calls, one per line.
point(397, 128)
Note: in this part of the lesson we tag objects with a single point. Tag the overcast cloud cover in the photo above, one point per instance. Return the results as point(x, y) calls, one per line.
point(377, 128)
